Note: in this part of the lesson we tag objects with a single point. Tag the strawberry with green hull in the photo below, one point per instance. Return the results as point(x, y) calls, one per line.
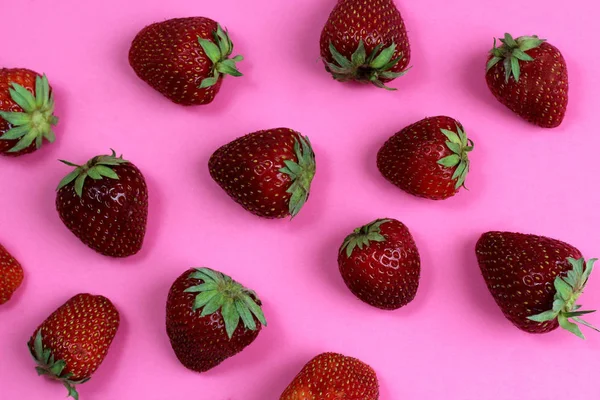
point(105, 204)
point(268, 172)
point(529, 76)
point(71, 344)
point(185, 59)
point(536, 281)
point(365, 41)
point(380, 264)
point(26, 111)
point(429, 158)
point(11, 275)
point(210, 318)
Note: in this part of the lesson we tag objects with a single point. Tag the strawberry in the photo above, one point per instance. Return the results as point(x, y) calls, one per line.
point(429, 158)
point(107, 212)
point(365, 41)
point(269, 173)
point(211, 317)
point(185, 59)
point(380, 264)
point(531, 80)
point(535, 280)
point(26, 111)
point(71, 344)
point(11, 275)
point(332, 376)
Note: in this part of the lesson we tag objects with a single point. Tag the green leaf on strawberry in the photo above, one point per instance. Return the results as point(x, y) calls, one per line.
point(512, 52)
point(460, 145)
point(363, 235)
point(218, 53)
point(301, 173)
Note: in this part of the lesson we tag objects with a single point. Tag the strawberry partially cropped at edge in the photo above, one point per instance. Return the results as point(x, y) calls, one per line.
point(536, 281)
point(365, 41)
point(26, 111)
point(105, 204)
point(529, 76)
point(11, 275)
point(185, 59)
point(70, 344)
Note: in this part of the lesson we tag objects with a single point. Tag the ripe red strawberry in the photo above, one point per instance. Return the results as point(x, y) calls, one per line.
point(26, 111)
point(429, 158)
point(332, 376)
point(185, 59)
point(531, 80)
point(267, 172)
point(107, 212)
point(535, 280)
point(211, 317)
point(365, 41)
point(71, 344)
point(11, 275)
point(380, 264)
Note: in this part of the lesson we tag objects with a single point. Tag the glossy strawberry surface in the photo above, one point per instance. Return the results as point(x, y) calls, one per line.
point(11, 275)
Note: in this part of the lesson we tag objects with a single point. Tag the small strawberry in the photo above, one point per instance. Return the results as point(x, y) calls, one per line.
point(269, 173)
point(529, 76)
point(332, 376)
point(107, 212)
point(380, 264)
point(71, 344)
point(11, 275)
point(211, 317)
point(429, 158)
point(26, 111)
point(365, 41)
point(185, 59)
point(535, 280)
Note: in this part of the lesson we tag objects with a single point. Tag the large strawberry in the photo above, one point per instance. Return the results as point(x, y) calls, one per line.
point(70, 344)
point(26, 111)
point(211, 317)
point(332, 376)
point(429, 158)
point(535, 280)
point(108, 211)
point(269, 172)
point(529, 76)
point(380, 264)
point(185, 59)
point(365, 41)
point(11, 275)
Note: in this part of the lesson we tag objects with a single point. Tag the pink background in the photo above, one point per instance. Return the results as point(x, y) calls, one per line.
point(452, 342)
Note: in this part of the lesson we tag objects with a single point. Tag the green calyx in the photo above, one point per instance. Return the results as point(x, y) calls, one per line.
point(512, 52)
point(48, 366)
point(365, 68)
point(363, 236)
point(301, 173)
point(460, 146)
point(218, 52)
point(219, 292)
point(36, 120)
point(568, 290)
point(97, 168)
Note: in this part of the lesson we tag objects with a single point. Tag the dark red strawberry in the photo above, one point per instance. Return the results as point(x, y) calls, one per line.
point(108, 211)
point(332, 376)
point(71, 344)
point(26, 111)
point(185, 59)
point(269, 173)
point(529, 76)
point(380, 264)
point(11, 275)
point(429, 158)
point(210, 318)
point(365, 41)
point(535, 280)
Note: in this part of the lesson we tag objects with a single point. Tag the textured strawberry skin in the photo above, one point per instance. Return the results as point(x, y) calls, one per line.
point(111, 215)
point(520, 270)
point(11, 275)
point(201, 343)
point(167, 56)
point(541, 94)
